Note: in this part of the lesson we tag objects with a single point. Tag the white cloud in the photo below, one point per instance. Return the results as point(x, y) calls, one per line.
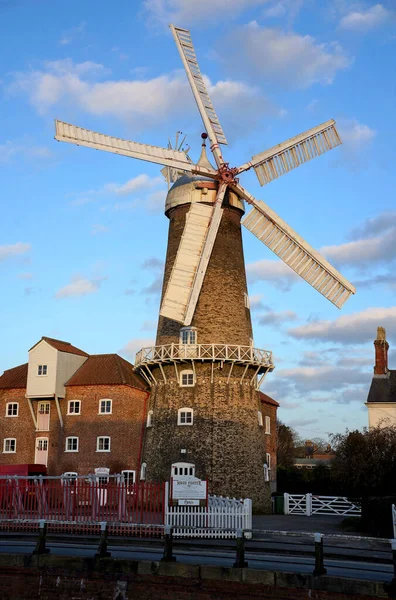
point(8, 251)
point(194, 11)
point(136, 184)
point(133, 346)
point(369, 248)
point(286, 57)
point(97, 228)
point(355, 135)
point(277, 318)
point(10, 150)
point(80, 286)
point(362, 21)
point(142, 102)
point(356, 328)
point(71, 34)
point(274, 272)
point(140, 183)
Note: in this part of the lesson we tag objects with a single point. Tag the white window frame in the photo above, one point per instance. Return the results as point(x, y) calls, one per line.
point(247, 301)
point(5, 444)
point(187, 411)
point(260, 418)
point(129, 477)
point(268, 425)
point(183, 466)
point(103, 437)
point(268, 460)
point(72, 437)
point(149, 422)
point(188, 336)
point(187, 373)
point(7, 409)
point(143, 469)
point(102, 412)
point(69, 412)
point(42, 368)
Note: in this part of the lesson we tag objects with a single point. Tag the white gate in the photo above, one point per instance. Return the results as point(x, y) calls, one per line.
point(307, 504)
point(220, 519)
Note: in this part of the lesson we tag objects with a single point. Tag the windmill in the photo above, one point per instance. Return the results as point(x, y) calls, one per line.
point(205, 294)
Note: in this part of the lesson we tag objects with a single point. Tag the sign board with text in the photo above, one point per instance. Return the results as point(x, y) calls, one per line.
point(188, 488)
point(188, 502)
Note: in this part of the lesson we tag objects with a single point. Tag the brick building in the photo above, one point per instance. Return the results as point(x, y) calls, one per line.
point(71, 411)
point(381, 400)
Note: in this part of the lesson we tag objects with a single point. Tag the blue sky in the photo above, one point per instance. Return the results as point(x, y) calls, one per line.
point(83, 235)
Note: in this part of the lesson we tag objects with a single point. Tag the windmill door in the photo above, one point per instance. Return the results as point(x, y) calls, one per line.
point(43, 416)
point(41, 455)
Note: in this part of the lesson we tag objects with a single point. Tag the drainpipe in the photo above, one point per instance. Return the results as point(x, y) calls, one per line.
point(59, 411)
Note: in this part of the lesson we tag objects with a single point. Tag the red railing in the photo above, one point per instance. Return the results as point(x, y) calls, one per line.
point(81, 503)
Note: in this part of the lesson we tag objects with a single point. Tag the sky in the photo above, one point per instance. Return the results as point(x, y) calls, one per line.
point(83, 234)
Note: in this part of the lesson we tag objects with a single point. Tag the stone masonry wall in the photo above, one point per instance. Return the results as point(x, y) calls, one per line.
point(225, 442)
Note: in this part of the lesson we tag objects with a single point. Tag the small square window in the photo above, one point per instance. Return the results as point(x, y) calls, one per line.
point(71, 444)
point(74, 407)
point(42, 370)
point(9, 445)
point(187, 379)
point(105, 407)
point(103, 444)
point(12, 409)
point(185, 416)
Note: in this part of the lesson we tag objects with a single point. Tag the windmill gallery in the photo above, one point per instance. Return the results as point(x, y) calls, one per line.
point(197, 391)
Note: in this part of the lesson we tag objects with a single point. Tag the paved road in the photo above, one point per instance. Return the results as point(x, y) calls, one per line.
point(291, 556)
point(314, 523)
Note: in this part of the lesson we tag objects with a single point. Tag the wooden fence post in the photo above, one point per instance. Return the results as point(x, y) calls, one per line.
point(240, 550)
point(40, 546)
point(168, 547)
point(102, 548)
point(319, 555)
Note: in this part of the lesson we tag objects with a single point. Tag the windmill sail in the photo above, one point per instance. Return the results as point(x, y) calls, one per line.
point(209, 117)
point(179, 287)
point(84, 137)
point(281, 159)
point(270, 229)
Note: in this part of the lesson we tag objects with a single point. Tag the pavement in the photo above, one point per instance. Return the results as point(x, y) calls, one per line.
point(314, 524)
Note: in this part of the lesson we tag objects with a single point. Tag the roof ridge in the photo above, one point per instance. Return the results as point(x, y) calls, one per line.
point(46, 337)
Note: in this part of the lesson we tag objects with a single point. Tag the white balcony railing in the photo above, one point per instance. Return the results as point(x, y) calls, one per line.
point(204, 352)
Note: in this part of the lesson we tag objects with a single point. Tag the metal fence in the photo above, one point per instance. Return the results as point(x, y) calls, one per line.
point(79, 503)
point(308, 504)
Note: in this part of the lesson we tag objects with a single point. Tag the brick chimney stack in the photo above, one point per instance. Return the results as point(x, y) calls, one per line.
point(381, 353)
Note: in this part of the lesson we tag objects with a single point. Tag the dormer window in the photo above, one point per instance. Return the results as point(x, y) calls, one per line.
point(42, 370)
point(188, 335)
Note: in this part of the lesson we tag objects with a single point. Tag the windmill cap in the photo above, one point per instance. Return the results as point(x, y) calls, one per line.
point(189, 189)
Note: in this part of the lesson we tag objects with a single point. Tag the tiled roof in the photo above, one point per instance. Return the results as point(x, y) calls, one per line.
point(268, 400)
point(62, 346)
point(14, 378)
point(106, 369)
point(383, 389)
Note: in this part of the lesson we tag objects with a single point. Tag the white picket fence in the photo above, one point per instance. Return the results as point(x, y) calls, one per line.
point(307, 504)
point(220, 519)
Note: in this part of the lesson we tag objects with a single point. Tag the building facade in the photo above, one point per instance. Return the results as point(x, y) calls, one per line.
point(381, 400)
point(71, 411)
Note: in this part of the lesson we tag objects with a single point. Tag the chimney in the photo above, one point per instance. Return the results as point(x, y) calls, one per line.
point(381, 353)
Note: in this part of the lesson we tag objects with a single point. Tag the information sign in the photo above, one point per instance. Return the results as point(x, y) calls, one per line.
point(188, 488)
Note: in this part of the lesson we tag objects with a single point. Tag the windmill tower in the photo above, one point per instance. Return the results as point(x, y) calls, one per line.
point(204, 413)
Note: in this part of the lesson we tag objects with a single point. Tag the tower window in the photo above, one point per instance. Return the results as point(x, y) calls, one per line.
point(260, 418)
point(143, 471)
point(188, 335)
point(149, 422)
point(187, 379)
point(185, 416)
point(247, 301)
point(183, 468)
point(267, 425)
